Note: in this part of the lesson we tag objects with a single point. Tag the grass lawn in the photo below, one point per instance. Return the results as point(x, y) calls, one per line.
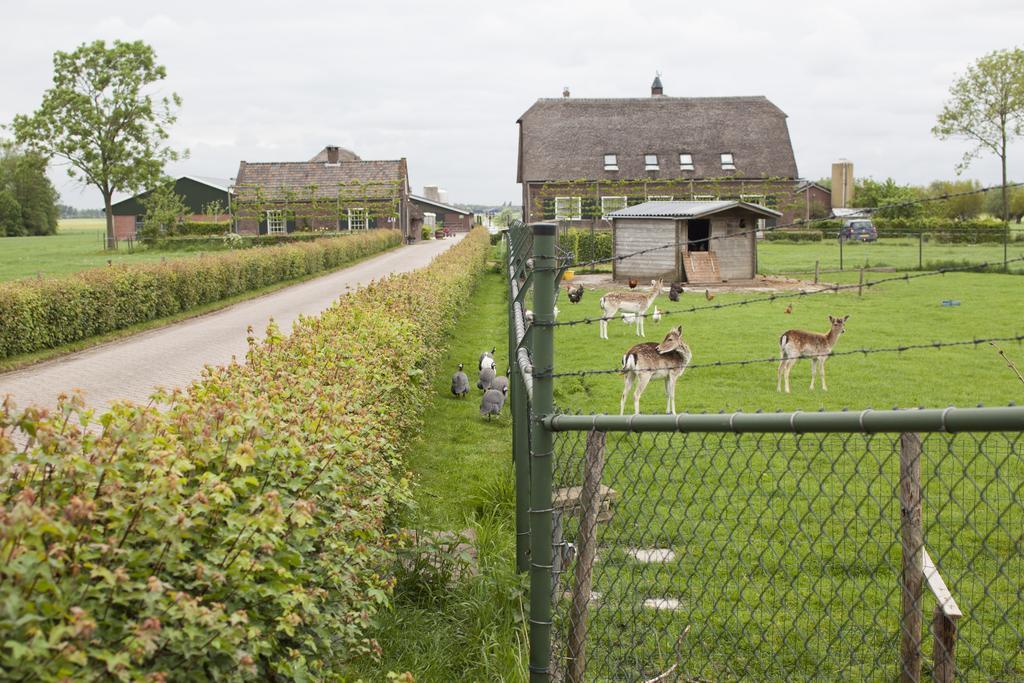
point(787, 548)
point(78, 245)
point(779, 257)
point(472, 629)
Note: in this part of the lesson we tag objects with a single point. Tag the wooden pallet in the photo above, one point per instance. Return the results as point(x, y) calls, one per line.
point(567, 501)
point(701, 267)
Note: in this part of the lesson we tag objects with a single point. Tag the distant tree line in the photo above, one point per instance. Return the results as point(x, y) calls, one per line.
point(71, 212)
point(871, 193)
point(28, 200)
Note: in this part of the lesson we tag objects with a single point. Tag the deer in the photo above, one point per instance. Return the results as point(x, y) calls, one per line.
point(636, 303)
point(649, 360)
point(797, 344)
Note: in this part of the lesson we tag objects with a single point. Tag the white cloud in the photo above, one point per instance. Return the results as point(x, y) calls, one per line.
point(442, 83)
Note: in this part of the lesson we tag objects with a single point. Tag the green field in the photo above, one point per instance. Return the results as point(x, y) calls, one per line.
point(787, 548)
point(783, 257)
point(78, 245)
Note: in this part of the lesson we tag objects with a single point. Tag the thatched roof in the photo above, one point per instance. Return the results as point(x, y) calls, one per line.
point(276, 179)
point(566, 138)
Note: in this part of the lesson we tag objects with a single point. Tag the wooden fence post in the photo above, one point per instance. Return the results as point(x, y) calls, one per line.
point(860, 287)
point(944, 630)
point(817, 266)
point(912, 575)
point(590, 506)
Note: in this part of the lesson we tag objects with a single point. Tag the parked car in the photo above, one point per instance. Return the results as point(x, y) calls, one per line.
point(861, 229)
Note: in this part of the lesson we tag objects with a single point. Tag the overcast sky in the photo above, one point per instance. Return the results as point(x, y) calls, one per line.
point(443, 82)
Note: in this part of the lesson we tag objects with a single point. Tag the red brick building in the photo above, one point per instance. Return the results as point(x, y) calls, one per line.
point(427, 212)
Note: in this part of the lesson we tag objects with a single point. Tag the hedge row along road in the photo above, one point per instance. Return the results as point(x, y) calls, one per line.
point(241, 529)
point(174, 356)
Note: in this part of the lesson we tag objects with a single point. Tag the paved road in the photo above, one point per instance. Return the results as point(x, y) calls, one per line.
point(173, 356)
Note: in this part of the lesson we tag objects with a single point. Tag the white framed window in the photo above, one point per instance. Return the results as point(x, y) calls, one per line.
point(568, 208)
point(430, 219)
point(728, 162)
point(276, 223)
point(659, 198)
point(704, 197)
point(357, 219)
point(753, 199)
point(650, 162)
point(611, 162)
point(685, 161)
point(140, 221)
point(609, 204)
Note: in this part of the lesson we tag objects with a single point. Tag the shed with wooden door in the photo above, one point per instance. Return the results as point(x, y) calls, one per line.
point(700, 242)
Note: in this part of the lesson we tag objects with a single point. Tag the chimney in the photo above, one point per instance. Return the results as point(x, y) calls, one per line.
point(332, 154)
point(565, 91)
point(842, 184)
point(656, 89)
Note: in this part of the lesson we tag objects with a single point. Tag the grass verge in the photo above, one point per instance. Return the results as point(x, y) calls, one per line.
point(470, 626)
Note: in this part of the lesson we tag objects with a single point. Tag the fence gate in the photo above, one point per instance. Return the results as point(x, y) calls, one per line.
point(873, 545)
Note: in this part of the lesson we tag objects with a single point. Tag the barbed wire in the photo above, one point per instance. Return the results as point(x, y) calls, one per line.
point(775, 359)
point(862, 213)
point(829, 289)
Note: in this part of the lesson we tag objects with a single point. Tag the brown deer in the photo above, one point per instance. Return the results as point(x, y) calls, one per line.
point(797, 344)
point(647, 361)
point(636, 303)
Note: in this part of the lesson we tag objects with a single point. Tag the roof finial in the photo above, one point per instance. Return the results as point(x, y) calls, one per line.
point(656, 88)
point(565, 91)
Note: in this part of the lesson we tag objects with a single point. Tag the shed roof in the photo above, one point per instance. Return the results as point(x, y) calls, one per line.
point(693, 209)
point(279, 178)
point(566, 138)
point(447, 207)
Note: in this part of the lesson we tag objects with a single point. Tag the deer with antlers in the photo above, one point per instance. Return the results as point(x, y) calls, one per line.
point(647, 361)
point(797, 344)
point(636, 303)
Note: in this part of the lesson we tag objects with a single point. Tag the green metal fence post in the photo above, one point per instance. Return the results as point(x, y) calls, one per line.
point(542, 445)
point(520, 411)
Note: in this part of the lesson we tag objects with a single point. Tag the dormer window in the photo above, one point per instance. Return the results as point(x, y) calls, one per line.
point(728, 162)
point(611, 162)
point(685, 162)
point(650, 162)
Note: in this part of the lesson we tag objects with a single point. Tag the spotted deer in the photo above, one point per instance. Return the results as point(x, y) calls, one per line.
point(797, 344)
point(647, 361)
point(636, 303)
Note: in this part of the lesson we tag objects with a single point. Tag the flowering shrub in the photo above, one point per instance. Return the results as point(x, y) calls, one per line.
point(235, 530)
point(42, 314)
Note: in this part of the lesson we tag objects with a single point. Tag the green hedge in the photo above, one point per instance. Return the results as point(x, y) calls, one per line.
point(235, 241)
point(586, 245)
point(794, 236)
point(42, 314)
point(204, 227)
point(237, 530)
point(944, 230)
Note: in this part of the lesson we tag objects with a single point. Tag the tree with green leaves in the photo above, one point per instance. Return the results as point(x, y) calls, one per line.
point(887, 193)
point(103, 118)
point(23, 178)
point(163, 211)
point(960, 207)
point(986, 107)
point(10, 215)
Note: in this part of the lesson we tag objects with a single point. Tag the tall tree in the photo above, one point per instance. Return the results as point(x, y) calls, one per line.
point(103, 119)
point(986, 106)
point(23, 177)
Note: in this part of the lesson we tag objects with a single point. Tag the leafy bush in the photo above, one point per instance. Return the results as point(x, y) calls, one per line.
point(943, 230)
point(794, 236)
point(236, 530)
point(230, 240)
point(42, 314)
point(586, 245)
point(204, 227)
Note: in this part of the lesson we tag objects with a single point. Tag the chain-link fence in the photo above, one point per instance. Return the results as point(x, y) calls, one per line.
point(875, 545)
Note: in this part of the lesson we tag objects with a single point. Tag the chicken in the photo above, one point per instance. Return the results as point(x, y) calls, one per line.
point(486, 377)
point(575, 294)
point(789, 309)
point(460, 383)
point(656, 316)
point(633, 283)
point(500, 382)
point(708, 295)
point(492, 402)
point(674, 291)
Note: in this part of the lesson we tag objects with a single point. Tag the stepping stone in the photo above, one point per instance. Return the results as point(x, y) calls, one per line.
point(649, 555)
point(662, 603)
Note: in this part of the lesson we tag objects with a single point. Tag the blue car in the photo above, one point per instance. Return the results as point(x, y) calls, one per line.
point(858, 229)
